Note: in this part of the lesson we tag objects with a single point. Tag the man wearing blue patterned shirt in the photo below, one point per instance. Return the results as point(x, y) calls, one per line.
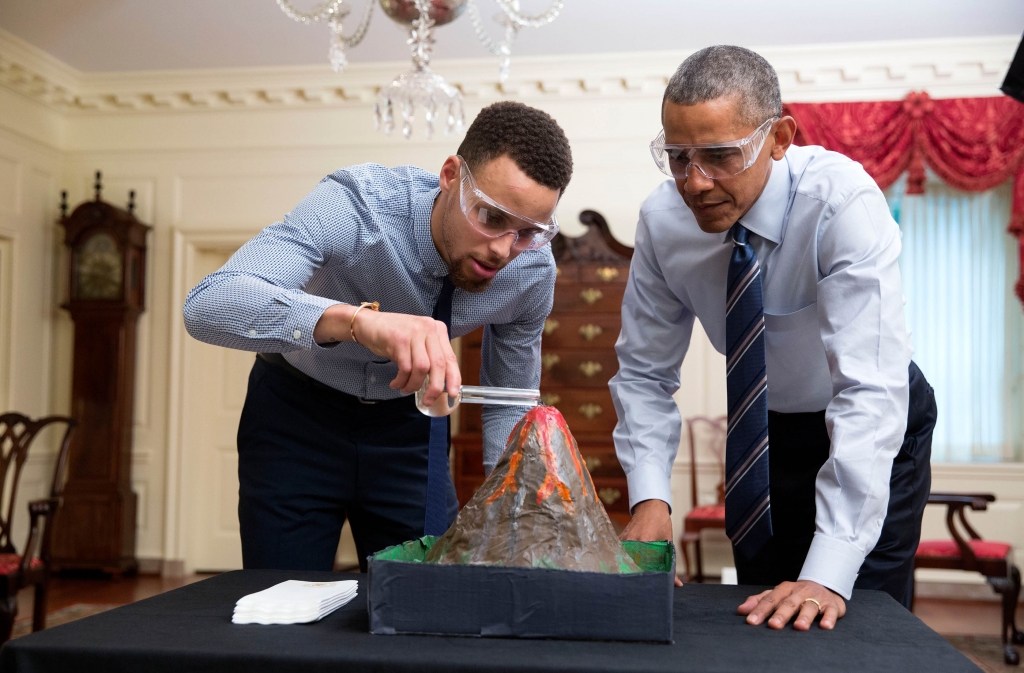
point(329, 429)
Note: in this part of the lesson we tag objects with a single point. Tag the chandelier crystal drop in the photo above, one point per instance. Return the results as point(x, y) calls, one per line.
point(333, 12)
point(421, 88)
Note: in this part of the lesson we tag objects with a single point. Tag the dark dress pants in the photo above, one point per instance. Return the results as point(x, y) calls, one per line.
point(799, 447)
point(309, 455)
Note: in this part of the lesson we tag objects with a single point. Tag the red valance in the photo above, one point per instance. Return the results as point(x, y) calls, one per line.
point(973, 144)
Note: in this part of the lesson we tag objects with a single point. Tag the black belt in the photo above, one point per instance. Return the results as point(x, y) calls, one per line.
point(279, 362)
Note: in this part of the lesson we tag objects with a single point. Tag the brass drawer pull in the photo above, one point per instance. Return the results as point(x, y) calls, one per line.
point(550, 325)
point(588, 332)
point(550, 360)
point(550, 399)
point(590, 411)
point(607, 273)
point(593, 462)
point(609, 495)
point(591, 295)
point(558, 271)
point(589, 368)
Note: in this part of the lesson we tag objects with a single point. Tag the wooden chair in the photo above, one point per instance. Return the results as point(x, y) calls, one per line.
point(31, 567)
point(710, 433)
point(991, 559)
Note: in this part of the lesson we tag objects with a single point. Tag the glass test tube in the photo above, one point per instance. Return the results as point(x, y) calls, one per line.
point(506, 397)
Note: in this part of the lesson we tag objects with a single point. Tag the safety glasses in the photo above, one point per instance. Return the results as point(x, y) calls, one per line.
point(495, 220)
point(714, 160)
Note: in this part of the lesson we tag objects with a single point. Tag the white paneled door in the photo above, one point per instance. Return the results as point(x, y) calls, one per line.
point(215, 380)
point(215, 383)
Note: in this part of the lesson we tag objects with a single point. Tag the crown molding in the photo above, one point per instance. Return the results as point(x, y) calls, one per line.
point(29, 70)
point(853, 71)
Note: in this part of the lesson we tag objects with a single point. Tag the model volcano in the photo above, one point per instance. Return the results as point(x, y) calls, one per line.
point(538, 508)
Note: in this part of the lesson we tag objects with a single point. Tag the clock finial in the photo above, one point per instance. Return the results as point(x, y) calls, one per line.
point(131, 201)
point(64, 203)
point(99, 184)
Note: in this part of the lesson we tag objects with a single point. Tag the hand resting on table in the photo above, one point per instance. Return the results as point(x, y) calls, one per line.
point(791, 599)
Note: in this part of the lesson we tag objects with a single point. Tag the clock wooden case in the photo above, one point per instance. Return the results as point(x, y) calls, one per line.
point(95, 527)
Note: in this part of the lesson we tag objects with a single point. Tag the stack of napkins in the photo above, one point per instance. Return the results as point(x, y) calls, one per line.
point(293, 602)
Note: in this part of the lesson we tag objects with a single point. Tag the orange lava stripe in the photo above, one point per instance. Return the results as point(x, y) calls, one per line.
point(509, 482)
point(551, 481)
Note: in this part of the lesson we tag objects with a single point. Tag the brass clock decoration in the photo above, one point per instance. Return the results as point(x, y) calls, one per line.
point(96, 526)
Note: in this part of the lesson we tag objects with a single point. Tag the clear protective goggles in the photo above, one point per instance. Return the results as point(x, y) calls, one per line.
point(714, 160)
point(494, 220)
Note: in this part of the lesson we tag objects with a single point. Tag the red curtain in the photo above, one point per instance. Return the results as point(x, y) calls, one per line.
point(973, 144)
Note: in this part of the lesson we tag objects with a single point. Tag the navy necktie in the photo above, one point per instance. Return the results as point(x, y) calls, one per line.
point(748, 520)
point(435, 516)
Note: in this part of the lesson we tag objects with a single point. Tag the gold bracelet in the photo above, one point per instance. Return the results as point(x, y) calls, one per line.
point(372, 305)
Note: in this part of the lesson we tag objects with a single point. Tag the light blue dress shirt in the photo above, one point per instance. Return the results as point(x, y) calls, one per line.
point(835, 338)
point(363, 234)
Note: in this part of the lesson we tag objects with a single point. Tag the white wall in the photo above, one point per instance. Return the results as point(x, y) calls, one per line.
point(217, 153)
point(30, 169)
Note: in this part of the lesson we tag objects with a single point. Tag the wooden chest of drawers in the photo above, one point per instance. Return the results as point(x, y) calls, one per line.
point(578, 358)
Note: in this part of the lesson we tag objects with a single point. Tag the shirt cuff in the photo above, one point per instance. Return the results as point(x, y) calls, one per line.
point(302, 320)
point(832, 563)
point(649, 482)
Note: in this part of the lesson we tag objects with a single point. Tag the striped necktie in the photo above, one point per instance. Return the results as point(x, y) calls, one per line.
point(748, 521)
point(435, 514)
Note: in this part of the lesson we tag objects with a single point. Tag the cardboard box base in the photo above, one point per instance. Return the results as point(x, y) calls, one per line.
point(411, 597)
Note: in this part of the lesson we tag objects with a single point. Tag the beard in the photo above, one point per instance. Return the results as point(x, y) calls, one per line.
point(456, 267)
point(464, 282)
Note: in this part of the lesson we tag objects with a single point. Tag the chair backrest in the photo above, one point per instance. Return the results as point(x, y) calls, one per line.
point(707, 437)
point(17, 433)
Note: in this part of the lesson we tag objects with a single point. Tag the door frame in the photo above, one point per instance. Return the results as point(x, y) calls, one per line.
point(187, 246)
point(8, 278)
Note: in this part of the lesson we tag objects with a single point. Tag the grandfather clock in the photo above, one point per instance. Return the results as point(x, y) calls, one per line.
point(95, 527)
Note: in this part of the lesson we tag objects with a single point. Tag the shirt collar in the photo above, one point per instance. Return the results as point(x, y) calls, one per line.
point(423, 206)
point(767, 217)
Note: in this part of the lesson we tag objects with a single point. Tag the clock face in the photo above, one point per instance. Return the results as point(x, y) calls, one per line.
point(99, 268)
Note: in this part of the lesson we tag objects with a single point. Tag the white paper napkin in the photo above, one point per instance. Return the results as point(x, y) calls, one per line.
point(294, 602)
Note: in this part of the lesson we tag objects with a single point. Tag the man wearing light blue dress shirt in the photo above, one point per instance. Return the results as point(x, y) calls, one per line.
point(788, 257)
point(329, 430)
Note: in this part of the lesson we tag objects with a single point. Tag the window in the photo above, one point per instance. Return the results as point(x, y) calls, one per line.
point(958, 266)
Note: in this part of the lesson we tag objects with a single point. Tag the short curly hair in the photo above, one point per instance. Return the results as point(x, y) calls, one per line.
point(528, 136)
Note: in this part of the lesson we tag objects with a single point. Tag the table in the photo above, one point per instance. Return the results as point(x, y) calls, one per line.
point(190, 629)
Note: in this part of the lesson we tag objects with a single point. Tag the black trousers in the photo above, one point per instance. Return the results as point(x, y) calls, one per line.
point(309, 456)
point(799, 447)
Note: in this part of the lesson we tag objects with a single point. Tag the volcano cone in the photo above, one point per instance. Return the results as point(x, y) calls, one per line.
point(538, 508)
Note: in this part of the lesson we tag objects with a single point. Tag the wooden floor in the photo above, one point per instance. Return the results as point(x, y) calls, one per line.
point(66, 591)
point(945, 616)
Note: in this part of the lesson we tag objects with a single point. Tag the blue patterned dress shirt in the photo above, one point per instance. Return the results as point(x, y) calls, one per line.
point(363, 234)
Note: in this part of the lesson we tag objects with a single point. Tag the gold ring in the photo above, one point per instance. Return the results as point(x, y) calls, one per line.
point(811, 600)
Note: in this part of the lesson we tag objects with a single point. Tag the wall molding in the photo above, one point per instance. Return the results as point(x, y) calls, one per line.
point(1012, 472)
point(852, 71)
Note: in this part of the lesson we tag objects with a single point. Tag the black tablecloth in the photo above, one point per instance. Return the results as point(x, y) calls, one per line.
point(190, 629)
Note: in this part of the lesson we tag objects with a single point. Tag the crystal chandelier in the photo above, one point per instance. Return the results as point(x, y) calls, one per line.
point(421, 87)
